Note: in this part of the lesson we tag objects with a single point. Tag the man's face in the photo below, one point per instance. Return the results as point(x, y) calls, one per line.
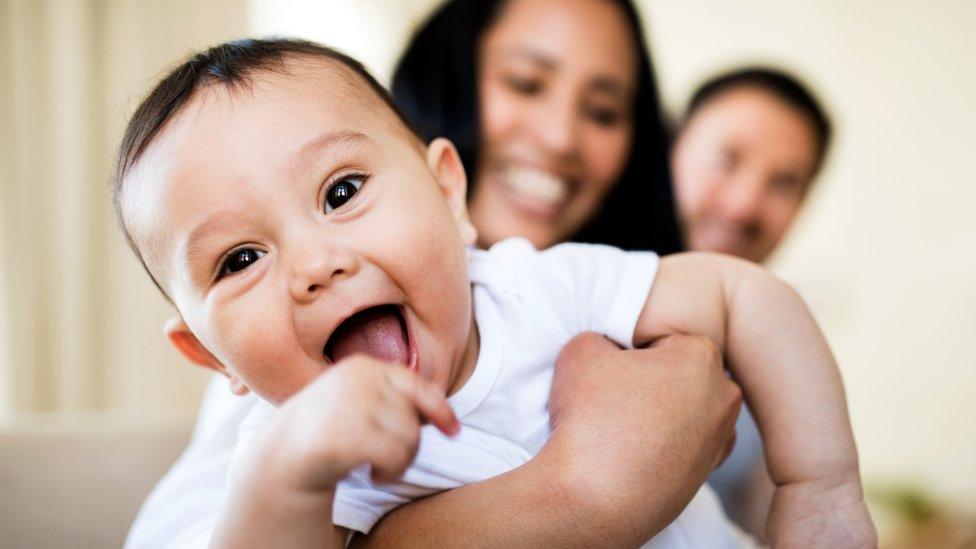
point(741, 167)
point(297, 222)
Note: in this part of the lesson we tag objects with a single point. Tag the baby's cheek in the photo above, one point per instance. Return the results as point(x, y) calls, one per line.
point(444, 260)
point(268, 359)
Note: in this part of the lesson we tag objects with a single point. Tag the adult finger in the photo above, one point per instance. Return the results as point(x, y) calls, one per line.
point(694, 349)
point(583, 348)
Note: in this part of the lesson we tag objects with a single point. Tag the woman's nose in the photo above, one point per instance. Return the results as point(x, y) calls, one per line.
point(316, 268)
point(557, 126)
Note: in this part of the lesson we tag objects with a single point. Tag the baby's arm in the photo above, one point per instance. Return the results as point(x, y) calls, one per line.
point(360, 411)
point(790, 381)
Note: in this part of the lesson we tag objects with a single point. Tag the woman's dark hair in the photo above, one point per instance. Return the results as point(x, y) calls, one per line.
point(435, 86)
point(781, 85)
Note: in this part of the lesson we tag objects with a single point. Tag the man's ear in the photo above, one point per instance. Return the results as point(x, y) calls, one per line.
point(188, 345)
point(445, 163)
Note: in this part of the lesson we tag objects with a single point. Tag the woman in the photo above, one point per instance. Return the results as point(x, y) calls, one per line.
point(688, 406)
point(546, 102)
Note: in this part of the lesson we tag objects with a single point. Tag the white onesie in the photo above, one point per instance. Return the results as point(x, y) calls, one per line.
point(528, 305)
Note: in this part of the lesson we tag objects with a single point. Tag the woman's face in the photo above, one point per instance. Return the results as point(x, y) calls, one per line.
point(742, 166)
point(557, 80)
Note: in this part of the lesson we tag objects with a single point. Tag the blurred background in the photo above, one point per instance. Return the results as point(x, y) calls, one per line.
point(94, 404)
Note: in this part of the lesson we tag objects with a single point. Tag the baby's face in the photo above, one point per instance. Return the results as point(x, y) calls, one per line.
point(297, 222)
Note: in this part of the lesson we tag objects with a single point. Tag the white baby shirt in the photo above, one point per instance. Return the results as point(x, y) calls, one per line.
point(528, 305)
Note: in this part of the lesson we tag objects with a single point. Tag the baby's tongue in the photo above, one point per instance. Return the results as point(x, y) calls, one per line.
point(378, 332)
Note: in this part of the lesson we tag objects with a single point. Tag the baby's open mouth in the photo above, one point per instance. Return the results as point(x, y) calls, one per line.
point(380, 332)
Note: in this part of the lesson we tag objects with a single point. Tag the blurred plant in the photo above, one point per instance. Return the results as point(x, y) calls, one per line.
point(910, 516)
point(912, 503)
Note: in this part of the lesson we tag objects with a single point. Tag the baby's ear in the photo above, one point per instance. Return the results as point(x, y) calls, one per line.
point(445, 164)
point(188, 345)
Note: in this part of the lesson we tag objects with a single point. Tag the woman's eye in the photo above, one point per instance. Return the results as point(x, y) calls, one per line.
point(239, 260)
point(524, 86)
point(603, 116)
point(341, 191)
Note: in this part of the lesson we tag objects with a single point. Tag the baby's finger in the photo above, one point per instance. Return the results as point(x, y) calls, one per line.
point(389, 457)
point(400, 420)
point(430, 403)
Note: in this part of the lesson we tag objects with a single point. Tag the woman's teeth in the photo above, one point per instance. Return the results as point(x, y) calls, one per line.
point(537, 185)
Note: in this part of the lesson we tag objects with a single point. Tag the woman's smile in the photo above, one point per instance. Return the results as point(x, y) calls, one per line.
point(532, 191)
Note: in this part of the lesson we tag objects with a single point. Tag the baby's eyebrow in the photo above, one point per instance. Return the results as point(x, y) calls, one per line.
point(326, 141)
point(192, 246)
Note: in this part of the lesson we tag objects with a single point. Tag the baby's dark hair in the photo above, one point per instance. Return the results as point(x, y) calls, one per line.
point(232, 64)
point(781, 85)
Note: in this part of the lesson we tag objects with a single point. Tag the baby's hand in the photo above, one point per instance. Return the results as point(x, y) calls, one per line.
point(820, 513)
point(361, 410)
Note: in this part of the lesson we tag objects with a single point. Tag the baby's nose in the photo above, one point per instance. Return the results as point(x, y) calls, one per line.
point(317, 269)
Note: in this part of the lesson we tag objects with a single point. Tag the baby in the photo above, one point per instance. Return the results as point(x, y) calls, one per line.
point(319, 255)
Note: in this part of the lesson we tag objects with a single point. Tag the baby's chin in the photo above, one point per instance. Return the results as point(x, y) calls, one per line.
point(274, 387)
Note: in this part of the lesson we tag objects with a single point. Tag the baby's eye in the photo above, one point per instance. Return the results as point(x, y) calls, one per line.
point(239, 260)
point(341, 191)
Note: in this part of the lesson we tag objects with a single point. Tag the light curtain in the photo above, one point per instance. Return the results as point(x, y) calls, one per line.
point(81, 324)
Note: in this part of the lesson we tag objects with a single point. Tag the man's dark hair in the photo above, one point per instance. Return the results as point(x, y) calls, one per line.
point(231, 64)
point(781, 85)
point(435, 85)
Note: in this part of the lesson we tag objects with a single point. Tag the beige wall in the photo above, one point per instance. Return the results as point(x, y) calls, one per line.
point(83, 323)
point(146, 375)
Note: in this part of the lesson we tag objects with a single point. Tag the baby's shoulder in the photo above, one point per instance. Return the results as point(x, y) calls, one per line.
point(572, 287)
point(518, 265)
point(522, 282)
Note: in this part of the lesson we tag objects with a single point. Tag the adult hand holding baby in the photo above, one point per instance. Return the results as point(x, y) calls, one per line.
point(641, 418)
point(631, 421)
